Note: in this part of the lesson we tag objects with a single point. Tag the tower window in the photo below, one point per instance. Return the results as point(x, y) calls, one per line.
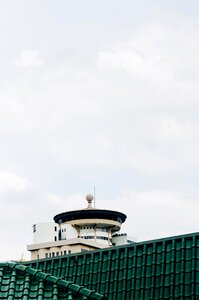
point(34, 228)
point(55, 238)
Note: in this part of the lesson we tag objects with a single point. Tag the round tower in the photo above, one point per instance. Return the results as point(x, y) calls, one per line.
point(97, 225)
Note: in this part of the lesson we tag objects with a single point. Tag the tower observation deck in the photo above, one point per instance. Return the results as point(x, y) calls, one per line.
point(107, 218)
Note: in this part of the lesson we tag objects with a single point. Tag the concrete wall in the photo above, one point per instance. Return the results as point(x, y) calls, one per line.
point(45, 232)
point(120, 239)
point(68, 232)
point(58, 251)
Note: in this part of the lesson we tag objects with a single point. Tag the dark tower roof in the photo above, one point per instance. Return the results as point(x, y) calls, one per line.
point(90, 214)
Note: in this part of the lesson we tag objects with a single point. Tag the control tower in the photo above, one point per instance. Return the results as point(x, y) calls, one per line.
point(77, 231)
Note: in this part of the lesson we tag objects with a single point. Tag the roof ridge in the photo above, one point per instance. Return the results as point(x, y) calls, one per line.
point(55, 280)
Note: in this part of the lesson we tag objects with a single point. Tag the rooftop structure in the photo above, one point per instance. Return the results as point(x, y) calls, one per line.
point(78, 231)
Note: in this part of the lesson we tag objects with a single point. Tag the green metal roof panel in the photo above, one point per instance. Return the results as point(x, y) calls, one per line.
point(160, 269)
point(24, 282)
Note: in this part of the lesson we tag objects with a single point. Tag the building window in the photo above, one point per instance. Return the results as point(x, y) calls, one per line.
point(69, 251)
point(57, 253)
point(34, 228)
point(61, 252)
point(46, 255)
point(53, 254)
point(64, 252)
point(37, 256)
point(49, 254)
point(55, 238)
point(101, 229)
point(55, 228)
point(102, 238)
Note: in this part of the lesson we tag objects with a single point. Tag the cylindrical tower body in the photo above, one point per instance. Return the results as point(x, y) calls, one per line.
point(96, 225)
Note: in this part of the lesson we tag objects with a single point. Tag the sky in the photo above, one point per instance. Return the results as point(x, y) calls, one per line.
point(98, 94)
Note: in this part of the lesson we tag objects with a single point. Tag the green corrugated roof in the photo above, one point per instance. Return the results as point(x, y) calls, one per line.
point(23, 282)
point(160, 269)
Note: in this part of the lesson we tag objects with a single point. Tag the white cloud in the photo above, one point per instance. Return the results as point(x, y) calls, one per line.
point(28, 59)
point(165, 55)
point(12, 182)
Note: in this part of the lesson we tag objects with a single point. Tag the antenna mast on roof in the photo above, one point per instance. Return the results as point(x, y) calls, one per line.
point(94, 196)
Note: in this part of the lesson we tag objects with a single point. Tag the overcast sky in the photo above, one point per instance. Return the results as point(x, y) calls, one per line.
point(99, 93)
